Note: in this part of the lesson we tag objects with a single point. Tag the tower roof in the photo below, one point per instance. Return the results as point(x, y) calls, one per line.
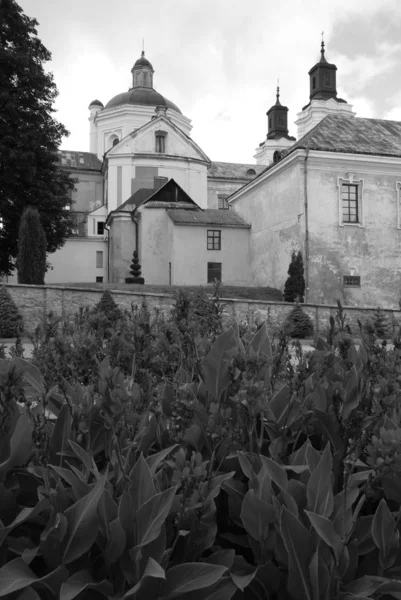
point(277, 120)
point(142, 62)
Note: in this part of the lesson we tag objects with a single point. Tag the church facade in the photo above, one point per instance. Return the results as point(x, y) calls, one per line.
point(145, 185)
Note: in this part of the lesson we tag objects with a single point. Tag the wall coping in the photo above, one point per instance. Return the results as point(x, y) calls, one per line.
point(165, 295)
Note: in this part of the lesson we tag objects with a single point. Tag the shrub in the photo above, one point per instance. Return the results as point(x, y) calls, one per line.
point(135, 270)
point(31, 261)
point(108, 307)
point(298, 324)
point(10, 317)
point(294, 288)
point(380, 323)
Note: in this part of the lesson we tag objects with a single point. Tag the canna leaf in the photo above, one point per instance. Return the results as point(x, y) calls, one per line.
point(151, 516)
point(256, 516)
point(215, 365)
point(141, 483)
point(60, 435)
point(319, 487)
point(385, 535)
point(190, 577)
point(20, 446)
point(325, 529)
point(82, 581)
point(297, 542)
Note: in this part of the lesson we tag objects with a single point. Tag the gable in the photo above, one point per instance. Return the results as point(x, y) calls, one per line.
point(143, 141)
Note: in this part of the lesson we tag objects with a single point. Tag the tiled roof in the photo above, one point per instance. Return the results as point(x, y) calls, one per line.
point(225, 170)
point(80, 160)
point(220, 218)
point(353, 135)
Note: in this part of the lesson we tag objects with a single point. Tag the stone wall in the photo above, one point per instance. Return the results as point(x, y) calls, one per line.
point(34, 302)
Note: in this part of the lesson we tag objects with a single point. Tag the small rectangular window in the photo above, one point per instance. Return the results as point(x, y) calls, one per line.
point(313, 83)
point(280, 120)
point(327, 81)
point(99, 259)
point(100, 227)
point(161, 144)
point(99, 279)
point(213, 272)
point(352, 281)
point(350, 204)
point(223, 202)
point(213, 239)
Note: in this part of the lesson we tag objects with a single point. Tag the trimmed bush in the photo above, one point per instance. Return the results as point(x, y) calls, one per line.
point(381, 324)
point(31, 262)
point(294, 288)
point(10, 317)
point(298, 324)
point(135, 270)
point(108, 307)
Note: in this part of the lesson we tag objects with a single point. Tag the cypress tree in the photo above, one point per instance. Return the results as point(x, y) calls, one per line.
point(31, 262)
point(294, 288)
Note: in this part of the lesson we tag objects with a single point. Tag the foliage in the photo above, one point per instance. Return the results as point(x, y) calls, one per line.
point(107, 307)
point(135, 270)
point(10, 317)
point(379, 324)
point(30, 169)
point(294, 288)
point(299, 324)
point(221, 469)
point(31, 261)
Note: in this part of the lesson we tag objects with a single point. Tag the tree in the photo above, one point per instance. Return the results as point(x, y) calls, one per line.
point(31, 263)
point(30, 168)
point(298, 324)
point(10, 318)
point(294, 288)
point(135, 270)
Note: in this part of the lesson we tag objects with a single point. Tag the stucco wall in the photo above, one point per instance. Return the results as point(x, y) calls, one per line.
point(190, 255)
point(122, 245)
point(274, 207)
point(35, 301)
point(76, 261)
point(154, 252)
point(88, 193)
point(372, 251)
point(223, 187)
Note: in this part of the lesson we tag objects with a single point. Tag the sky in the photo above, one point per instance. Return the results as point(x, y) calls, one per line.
point(219, 60)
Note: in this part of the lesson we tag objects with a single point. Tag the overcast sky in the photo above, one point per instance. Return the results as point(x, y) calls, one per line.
point(219, 60)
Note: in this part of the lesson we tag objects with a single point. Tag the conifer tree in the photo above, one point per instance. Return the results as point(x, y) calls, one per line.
point(30, 167)
point(10, 318)
point(294, 288)
point(298, 323)
point(31, 263)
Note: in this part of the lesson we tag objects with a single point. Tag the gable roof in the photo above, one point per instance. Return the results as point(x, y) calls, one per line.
point(137, 198)
point(71, 159)
point(224, 170)
point(353, 135)
point(167, 194)
point(169, 123)
point(219, 218)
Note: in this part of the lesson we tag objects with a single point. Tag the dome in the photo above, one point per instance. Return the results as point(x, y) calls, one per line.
point(141, 96)
point(142, 62)
point(95, 103)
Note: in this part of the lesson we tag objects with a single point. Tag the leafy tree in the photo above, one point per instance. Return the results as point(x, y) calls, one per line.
point(10, 318)
point(30, 168)
point(31, 261)
point(294, 288)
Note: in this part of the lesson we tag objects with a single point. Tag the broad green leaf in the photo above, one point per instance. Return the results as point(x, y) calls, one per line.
point(16, 575)
point(325, 529)
point(82, 581)
point(151, 516)
point(24, 515)
point(247, 468)
point(126, 517)
point(79, 488)
point(260, 343)
point(280, 403)
point(60, 435)
point(141, 483)
point(20, 446)
point(29, 594)
point(385, 535)
point(352, 392)
point(222, 557)
point(31, 374)
point(83, 456)
point(107, 511)
point(364, 586)
point(314, 575)
point(82, 523)
point(312, 457)
point(155, 460)
point(116, 543)
point(256, 516)
point(328, 426)
point(343, 502)
point(276, 473)
point(167, 398)
point(190, 577)
point(319, 489)
point(298, 545)
point(152, 569)
point(215, 365)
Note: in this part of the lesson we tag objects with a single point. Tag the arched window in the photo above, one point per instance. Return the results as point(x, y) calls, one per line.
point(276, 156)
point(112, 141)
point(115, 141)
point(251, 172)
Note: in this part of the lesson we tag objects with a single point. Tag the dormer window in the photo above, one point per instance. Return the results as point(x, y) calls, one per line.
point(160, 137)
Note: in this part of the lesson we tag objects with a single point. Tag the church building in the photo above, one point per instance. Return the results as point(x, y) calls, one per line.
point(146, 185)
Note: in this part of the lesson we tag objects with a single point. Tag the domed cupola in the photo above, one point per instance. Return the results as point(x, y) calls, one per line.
point(142, 72)
point(277, 120)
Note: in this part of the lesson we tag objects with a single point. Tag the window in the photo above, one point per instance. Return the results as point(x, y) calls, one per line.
point(99, 259)
point(160, 143)
point(115, 142)
point(251, 172)
point(326, 81)
point(213, 272)
point(350, 204)
point(352, 281)
point(313, 83)
point(270, 123)
point(213, 239)
point(99, 279)
point(223, 202)
point(100, 228)
point(280, 120)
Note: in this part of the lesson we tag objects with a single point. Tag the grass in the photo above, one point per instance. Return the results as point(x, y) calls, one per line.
point(226, 291)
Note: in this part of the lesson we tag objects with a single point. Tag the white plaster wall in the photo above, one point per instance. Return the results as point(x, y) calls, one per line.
point(373, 250)
point(75, 262)
point(223, 187)
point(264, 154)
point(154, 246)
point(88, 193)
point(190, 255)
point(317, 110)
point(274, 207)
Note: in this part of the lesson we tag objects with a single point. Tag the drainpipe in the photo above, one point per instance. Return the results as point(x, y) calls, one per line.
point(306, 225)
point(136, 229)
point(108, 253)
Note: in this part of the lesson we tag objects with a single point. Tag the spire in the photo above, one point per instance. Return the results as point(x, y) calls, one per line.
point(278, 93)
point(277, 119)
point(322, 57)
point(322, 77)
